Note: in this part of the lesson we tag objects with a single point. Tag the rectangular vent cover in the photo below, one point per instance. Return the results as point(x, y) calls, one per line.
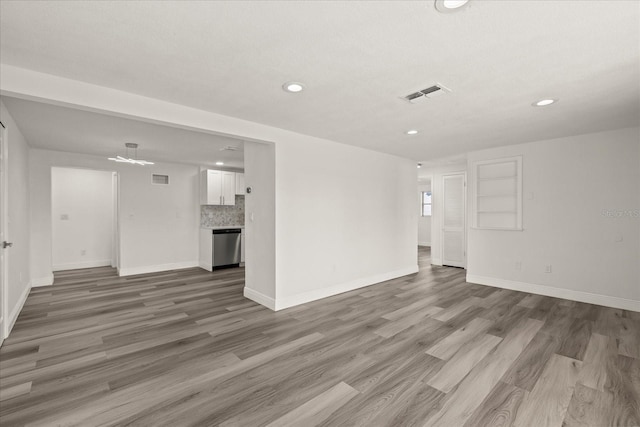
point(422, 95)
point(160, 179)
point(231, 148)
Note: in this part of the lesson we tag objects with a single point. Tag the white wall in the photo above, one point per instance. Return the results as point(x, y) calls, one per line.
point(345, 218)
point(19, 279)
point(570, 187)
point(302, 163)
point(260, 223)
point(424, 222)
point(158, 224)
point(437, 207)
point(82, 218)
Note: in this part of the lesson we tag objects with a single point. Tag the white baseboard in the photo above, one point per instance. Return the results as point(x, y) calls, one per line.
point(204, 266)
point(15, 312)
point(316, 294)
point(42, 281)
point(570, 294)
point(156, 268)
point(84, 264)
point(260, 298)
point(424, 243)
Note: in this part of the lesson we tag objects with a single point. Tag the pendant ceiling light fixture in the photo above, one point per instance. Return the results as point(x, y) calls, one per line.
point(134, 160)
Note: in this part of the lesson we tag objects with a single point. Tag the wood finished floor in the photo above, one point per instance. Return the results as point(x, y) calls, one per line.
point(185, 348)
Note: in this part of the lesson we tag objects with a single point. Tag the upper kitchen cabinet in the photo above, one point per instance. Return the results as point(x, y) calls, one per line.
point(217, 188)
point(240, 184)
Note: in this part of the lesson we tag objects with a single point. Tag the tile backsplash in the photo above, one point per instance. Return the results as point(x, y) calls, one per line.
point(215, 216)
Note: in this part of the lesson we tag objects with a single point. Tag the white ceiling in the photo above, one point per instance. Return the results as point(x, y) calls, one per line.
point(356, 59)
point(65, 129)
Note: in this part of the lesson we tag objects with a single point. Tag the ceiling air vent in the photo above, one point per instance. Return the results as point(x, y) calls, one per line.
point(424, 94)
point(231, 148)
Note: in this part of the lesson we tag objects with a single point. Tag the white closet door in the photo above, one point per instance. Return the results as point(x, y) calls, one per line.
point(3, 259)
point(453, 230)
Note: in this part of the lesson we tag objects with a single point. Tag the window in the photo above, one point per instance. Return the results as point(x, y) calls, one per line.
point(426, 203)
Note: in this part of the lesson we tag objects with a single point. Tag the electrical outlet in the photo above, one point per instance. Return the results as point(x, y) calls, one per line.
point(83, 252)
point(518, 265)
point(547, 268)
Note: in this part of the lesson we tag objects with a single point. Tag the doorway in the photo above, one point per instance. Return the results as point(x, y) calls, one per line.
point(84, 218)
point(454, 220)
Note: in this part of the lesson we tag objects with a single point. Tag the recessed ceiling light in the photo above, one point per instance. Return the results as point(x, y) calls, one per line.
point(412, 132)
point(448, 6)
point(219, 163)
point(293, 87)
point(544, 102)
point(419, 165)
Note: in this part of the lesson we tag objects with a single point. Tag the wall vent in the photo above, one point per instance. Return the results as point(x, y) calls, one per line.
point(424, 94)
point(160, 179)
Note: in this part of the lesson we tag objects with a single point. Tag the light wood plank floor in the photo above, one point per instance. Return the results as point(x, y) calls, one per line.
point(185, 348)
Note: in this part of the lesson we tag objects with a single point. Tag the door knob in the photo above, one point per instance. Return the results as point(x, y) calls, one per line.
point(6, 245)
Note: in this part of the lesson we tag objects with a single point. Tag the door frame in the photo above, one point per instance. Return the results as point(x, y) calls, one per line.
point(116, 250)
point(465, 219)
point(4, 209)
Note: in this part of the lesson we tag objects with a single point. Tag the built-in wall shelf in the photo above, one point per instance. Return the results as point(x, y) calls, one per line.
point(497, 194)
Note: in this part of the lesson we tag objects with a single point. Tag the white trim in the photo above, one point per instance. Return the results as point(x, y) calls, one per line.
point(464, 214)
point(474, 192)
point(156, 268)
point(316, 294)
point(42, 281)
point(4, 231)
point(570, 294)
point(436, 261)
point(207, 267)
point(17, 309)
point(84, 264)
point(260, 298)
point(424, 243)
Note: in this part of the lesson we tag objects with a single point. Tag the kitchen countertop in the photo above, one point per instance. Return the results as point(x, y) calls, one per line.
point(220, 227)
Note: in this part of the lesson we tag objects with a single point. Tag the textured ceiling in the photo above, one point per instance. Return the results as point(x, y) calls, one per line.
point(356, 59)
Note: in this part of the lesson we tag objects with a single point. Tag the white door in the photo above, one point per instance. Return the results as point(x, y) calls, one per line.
point(115, 255)
point(454, 212)
point(3, 251)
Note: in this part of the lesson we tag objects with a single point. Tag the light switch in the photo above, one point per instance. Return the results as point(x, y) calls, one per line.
point(64, 217)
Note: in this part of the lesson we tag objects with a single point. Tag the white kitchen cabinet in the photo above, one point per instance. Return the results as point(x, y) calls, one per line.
point(242, 240)
point(217, 188)
point(240, 184)
point(205, 259)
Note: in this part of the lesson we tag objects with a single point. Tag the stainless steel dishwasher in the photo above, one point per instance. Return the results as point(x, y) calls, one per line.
point(226, 248)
